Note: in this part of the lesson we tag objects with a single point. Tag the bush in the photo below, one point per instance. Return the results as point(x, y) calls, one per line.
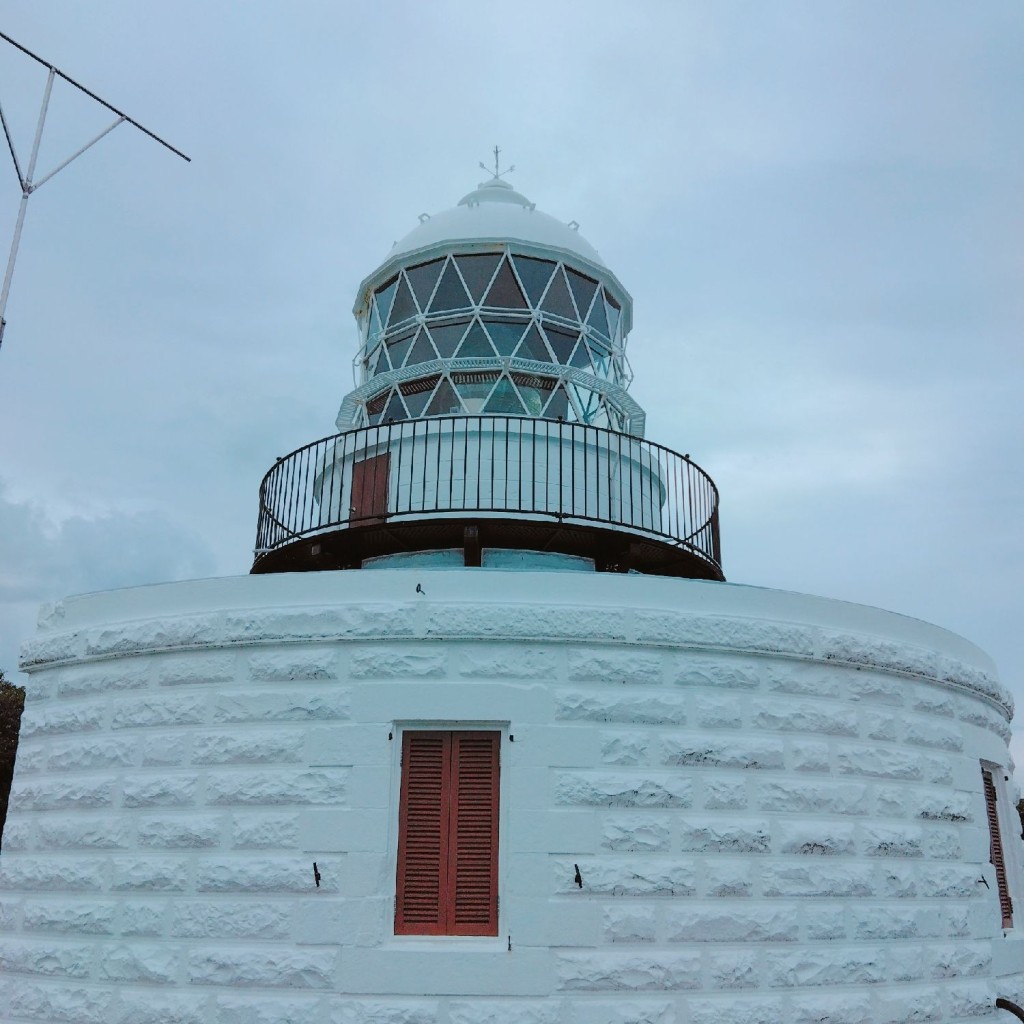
point(12, 703)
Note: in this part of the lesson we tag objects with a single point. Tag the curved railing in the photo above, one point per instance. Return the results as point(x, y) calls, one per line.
point(490, 467)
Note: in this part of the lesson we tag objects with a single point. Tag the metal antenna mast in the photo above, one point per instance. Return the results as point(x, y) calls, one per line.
point(26, 177)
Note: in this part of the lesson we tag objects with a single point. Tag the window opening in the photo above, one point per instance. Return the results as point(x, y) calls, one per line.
point(447, 877)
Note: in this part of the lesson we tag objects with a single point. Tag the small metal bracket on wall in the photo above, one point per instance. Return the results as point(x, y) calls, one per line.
point(26, 176)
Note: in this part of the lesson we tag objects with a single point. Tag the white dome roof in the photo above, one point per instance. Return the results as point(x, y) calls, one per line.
point(496, 211)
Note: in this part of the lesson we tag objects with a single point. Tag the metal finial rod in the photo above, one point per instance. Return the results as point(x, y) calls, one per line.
point(496, 172)
point(25, 178)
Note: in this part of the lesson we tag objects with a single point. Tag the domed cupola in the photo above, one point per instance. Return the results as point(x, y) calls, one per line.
point(491, 396)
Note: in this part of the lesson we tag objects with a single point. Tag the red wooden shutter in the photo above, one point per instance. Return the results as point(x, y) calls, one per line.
point(473, 835)
point(996, 848)
point(370, 486)
point(422, 886)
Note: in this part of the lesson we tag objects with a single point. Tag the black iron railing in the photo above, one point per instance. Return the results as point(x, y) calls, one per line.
point(490, 467)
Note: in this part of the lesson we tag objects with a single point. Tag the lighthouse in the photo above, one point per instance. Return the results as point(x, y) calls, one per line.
point(485, 737)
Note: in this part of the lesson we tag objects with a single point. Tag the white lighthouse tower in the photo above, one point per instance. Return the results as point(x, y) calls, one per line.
point(485, 738)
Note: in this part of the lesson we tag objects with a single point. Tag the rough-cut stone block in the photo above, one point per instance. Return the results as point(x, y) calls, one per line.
point(55, 959)
point(156, 1007)
point(625, 748)
point(512, 1011)
point(145, 917)
point(194, 668)
point(91, 752)
point(700, 923)
point(264, 831)
point(56, 1004)
point(803, 679)
point(814, 797)
point(724, 794)
point(759, 1009)
point(81, 832)
point(819, 880)
point(951, 807)
point(971, 999)
point(168, 789)
point(878, 689)
point(601, 789)
point(895, 801)
point(622, 876)
point(295, 665)
point(653, 971)
point(398, 662)
point(880, 725)
point(824, 922)
point(264, 874)
point(376, 1011)
point(139, 964)
point(70, 917)
point(818, 837)
point(963, 959)
point(901, 1006)
point(266, 1009)
point(636, 833)
point(843, 965)
point(846, 1008)
point(62, 794)
point(808, 756)
point(158, 709)
point(718, 836)
point(795, 716)
point(735, 969)
point(164, 751)
point(290, 706)
point(281, 967)
point(18, 834)
point(717, 710)
point(248, 919)
point(49, 719)
point(879, 762)
point(632, 708)
point(949, 881)
point(324, 786)
point(927, 733)
point(885, 922)
point(719, 631)
point(942, 843)
point(192, 832)
point(529, 621)
point(508, 661)
point(250, 747)
point(615, 666)
point(875, 651)
point(47, 873)
point(727, 879)
point(85, 680)
point(629, 924)
point(899, 880)
point(722, 752)
point(150, 874)
point(727, 673)
point(883, 841)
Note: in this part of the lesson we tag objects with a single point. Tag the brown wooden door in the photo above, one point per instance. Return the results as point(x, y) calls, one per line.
point(370, 488)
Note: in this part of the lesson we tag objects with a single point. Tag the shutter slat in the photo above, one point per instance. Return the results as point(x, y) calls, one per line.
point(996, 848)
point(422, 897)
point(473, 834)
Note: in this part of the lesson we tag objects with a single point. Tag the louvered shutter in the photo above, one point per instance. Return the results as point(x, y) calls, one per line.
point(996, 848)
point(422, 884)
point(473, 835)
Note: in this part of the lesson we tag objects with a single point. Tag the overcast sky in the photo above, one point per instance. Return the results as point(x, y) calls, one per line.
point(818, 208)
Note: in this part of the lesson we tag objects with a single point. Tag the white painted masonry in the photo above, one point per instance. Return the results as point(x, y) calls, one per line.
point(774, 801)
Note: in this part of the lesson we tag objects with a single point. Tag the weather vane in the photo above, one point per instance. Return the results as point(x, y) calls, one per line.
point(497, 173)
point(26, 175)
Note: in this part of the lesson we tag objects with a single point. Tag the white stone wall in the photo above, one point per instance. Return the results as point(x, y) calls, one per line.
point(774, 801)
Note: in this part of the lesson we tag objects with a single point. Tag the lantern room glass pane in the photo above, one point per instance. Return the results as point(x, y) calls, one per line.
point(583, 289)
point(505, 292)
point(533, 346)
point(444, 402)
point(561, 342)
point(558, 300)
point(535, 275)
point(558, 406)
point(423, 278)
point(422, 350)
point(598, 320)
point(395, 409)
point(477, 272)
point(404, 306)
point(450, 293)
point(504, 335)
point(447, 337)
point(383, 298)
point(476, 343)
point(417, 393)
point(504, 399)
point(399, 347)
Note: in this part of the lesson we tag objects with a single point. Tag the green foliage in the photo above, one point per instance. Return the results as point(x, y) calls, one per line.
point(12, 703)
point(1020, 811)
